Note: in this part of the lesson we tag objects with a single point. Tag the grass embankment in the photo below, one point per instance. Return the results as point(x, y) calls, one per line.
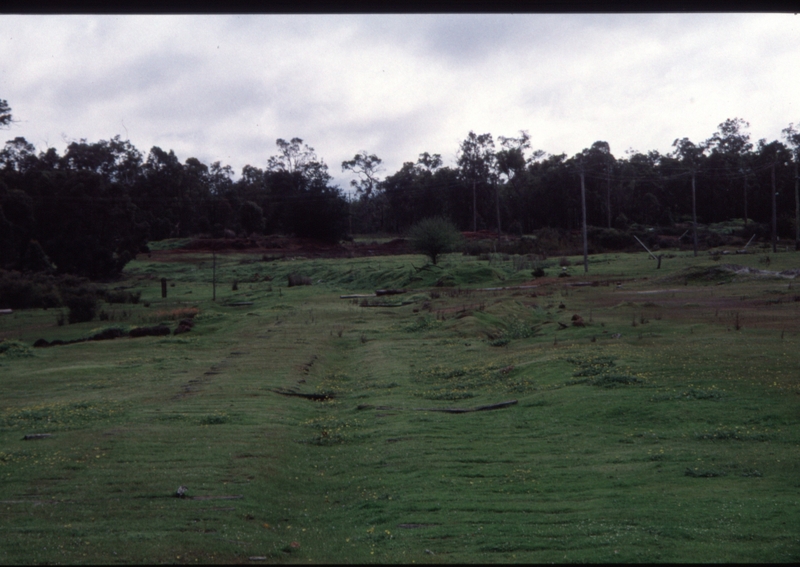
point(655, 432)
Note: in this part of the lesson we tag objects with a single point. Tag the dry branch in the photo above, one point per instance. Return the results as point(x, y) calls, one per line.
point(469, 410)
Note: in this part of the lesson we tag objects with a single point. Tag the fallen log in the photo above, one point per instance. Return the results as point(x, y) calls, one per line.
point(390, 291)
point(314, 397)
point(356, 295)
point(401, 304)
point(469, 410)
point(235, 497)
point(34, 436)
point(513, 287)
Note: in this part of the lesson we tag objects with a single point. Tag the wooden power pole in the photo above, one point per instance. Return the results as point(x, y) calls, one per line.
point(497, 206)
point(796, 203)
point(474, 207)
point(585, 241)
point(694, 213)
point(774, 210)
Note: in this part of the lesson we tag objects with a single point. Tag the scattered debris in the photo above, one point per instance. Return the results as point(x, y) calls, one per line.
point(181, 492)
point(34, 436)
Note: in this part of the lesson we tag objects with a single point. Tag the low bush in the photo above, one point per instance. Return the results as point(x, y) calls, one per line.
point(82, 304)
point(297, 279)
point(120, 296)
point(27, 291)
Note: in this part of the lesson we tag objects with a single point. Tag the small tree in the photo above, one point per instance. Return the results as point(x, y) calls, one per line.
point(434, 236)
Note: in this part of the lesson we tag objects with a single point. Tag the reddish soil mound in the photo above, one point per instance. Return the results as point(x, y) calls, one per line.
point(487, 235)
point(274, 247)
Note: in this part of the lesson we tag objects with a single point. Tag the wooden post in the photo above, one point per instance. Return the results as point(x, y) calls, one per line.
point(214, 277)
point(163, 288)
point(796, 203)
point(694, 213)
point(774, 211)
point(585, 241)
point(653, 256)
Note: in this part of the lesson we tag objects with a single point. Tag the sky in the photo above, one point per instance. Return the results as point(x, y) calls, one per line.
point(225, 87)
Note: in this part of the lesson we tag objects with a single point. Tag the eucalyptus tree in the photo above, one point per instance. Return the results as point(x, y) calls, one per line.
point(368, 186)
point(691, 156)
point(729, 156)
point(6, 117)
point(774, 157)
point(476, 161)
point(510, 161)
point(792, 137)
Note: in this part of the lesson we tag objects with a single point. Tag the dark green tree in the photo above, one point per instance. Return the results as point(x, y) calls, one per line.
point(434, 237)
point(476, 161)
point(5, 113)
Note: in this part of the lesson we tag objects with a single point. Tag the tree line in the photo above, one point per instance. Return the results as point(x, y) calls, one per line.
point(503, 186)
point(92, 209)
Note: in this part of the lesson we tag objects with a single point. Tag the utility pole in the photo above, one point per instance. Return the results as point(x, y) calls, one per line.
point(796, 202)
point(474, 207)
point(497, 206)
point(694, 213)
point(608, 193)
point(585, 242)
point(774, 210)
point(744, 176)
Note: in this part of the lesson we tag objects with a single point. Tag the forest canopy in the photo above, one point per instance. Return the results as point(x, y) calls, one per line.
point(90, 210)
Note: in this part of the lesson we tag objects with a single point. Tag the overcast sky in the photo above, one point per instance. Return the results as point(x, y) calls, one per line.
point(224, 88)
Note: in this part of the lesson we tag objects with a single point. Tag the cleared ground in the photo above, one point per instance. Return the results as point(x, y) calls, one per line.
point(659, 426)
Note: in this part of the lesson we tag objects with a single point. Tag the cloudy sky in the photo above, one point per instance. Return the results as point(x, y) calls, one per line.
point(224, 88)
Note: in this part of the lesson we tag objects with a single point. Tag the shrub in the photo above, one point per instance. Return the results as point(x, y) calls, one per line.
point(434, 236)
point(120, 296)
point(18, 291)
point(14, 349)
point(82, 305)
point(297, 279)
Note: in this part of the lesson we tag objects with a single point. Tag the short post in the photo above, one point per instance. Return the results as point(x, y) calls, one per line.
point(163, 288)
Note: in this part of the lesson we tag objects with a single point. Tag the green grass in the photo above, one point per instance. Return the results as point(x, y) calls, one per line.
point(655, 433)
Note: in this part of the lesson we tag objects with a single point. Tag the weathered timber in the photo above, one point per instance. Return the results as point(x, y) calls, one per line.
point(233, 497)
point(401, 304)
point(390, 291)
point(469, 410)
point(314, 397)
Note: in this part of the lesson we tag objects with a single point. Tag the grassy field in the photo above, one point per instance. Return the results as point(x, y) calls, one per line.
point(662, 429)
